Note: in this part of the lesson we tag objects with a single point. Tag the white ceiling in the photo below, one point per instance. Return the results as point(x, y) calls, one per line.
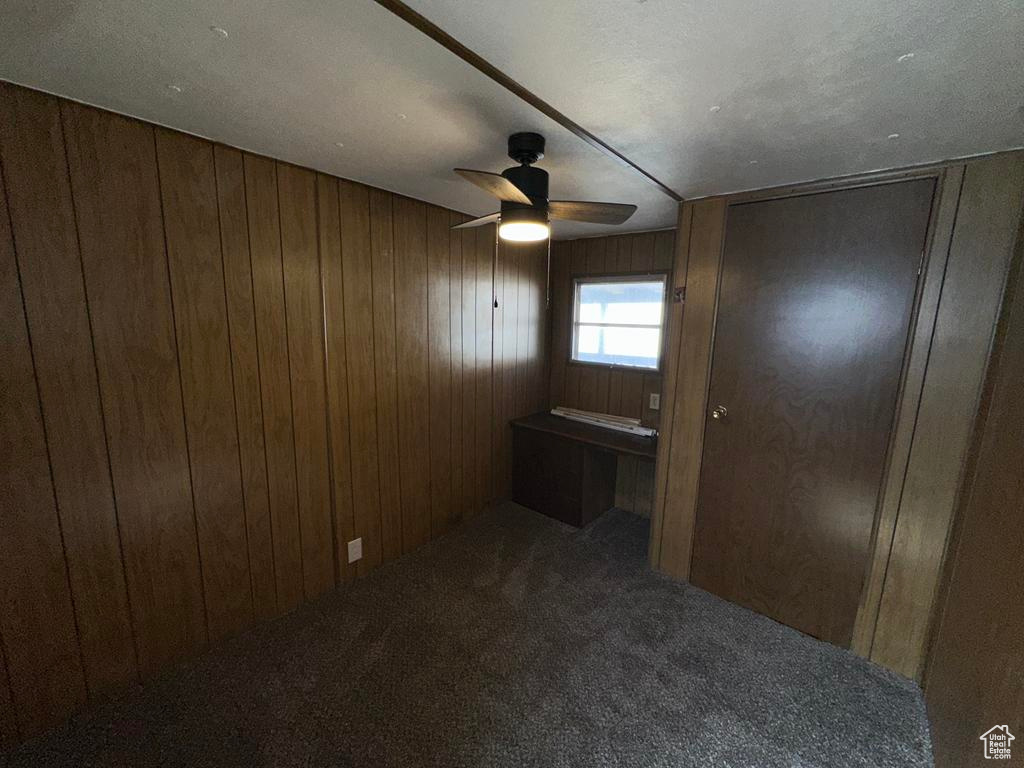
point(293, 78)
point(806, 88)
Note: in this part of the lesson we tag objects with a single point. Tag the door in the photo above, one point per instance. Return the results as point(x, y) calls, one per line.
point(815, 304)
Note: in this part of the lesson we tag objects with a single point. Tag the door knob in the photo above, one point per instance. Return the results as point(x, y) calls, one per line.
point(719, 412)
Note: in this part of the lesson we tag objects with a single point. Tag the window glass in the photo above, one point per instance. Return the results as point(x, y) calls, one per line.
point(617, 321)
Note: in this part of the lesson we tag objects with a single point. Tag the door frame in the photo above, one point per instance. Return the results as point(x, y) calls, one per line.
point(975, 212)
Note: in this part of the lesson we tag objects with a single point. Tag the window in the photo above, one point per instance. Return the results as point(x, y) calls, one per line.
point(617, 321)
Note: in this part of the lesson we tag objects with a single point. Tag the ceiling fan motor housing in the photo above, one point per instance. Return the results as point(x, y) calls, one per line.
point(527, 148)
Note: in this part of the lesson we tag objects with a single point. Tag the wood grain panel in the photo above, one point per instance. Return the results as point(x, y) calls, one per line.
point(37, 623)
point(470, 468)
point(191, 225)
point(440, 363)
point(36, 176)
point(385, 348)
point(238, 288)
point(335, 350)
point(975, 673)
point(662, 257)
point(412, 319)
point(694, 365)
point(506, 322)
point(275, 383)
point(455, 242)
point(199, 322)
point(303, 303)
point(949, 182)
point(810, 374)
point(561, 262)
point(522, 365)
point(484, 259)
point(673, 330)
point(356, 260)
point(594, 380)
point(498, 319)
point(989, 211)
point(573, 372)
point(117, 199)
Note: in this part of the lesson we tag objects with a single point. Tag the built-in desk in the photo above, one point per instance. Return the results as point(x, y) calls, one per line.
point(566, 469)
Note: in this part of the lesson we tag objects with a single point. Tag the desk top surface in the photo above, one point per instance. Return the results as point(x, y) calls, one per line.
point(610, 439)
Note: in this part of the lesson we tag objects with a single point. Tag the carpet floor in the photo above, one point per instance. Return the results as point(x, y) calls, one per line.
point(512, 641)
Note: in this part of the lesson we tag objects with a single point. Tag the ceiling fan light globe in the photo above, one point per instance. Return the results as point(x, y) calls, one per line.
point(524, 231)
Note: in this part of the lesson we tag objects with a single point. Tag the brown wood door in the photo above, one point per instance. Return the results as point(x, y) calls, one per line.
point(815, 304)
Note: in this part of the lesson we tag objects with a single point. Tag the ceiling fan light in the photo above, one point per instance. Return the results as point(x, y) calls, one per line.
point(524, 231)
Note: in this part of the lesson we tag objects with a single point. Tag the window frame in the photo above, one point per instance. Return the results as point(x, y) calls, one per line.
point(575, 280)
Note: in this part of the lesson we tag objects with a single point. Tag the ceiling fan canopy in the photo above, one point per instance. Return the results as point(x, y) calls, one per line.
point(523, 192)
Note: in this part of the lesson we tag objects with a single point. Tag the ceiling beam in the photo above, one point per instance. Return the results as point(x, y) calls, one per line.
point(431, 30)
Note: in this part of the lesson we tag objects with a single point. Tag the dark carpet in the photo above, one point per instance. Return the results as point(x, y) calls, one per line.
point(512, 641)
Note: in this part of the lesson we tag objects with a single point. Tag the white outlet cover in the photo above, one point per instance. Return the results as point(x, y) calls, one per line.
point(655, 401)
point(355, 550)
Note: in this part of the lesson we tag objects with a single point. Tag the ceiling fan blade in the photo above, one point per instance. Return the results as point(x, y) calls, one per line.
point(488, 219)
point(595, 213)
point(495, 184)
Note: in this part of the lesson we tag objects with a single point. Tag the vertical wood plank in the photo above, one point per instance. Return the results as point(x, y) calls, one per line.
point(540, 322)
point(455, 241)
point(573, 371)
point(329, 229)
point(594, 379)
point(470, 467)
point(234, 241)
point(275, 385)
point(670, 369)
point(561, 300)
point(412, 318)
point(114, 183)
point(386, 356)
point(944, 213)
point(678, 505)
point(36, 176)
point(484, 378)
point(509, 313)
point(440, 362)
point(625, 483)
point(356, 255)
point(620, 251)
point(643, 499)
point(986, 228)
point(502, 254)
point(520, 363)
point(303, 305)
point(37, 622)
point(662, 249)
point(189, 194)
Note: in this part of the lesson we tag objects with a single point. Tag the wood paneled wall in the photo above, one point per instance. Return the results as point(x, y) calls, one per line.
point(218, 370)
point(975, 672)
point(974, 226)
point(623, 393)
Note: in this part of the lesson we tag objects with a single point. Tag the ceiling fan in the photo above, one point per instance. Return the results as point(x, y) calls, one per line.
point(523, 192)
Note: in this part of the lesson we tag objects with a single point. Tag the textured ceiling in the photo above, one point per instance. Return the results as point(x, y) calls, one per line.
point(293, 78)
point(806, 89)
point(710, 97)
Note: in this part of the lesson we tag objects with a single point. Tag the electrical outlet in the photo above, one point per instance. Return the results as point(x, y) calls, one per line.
point(355, 550)
point(655, 401)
